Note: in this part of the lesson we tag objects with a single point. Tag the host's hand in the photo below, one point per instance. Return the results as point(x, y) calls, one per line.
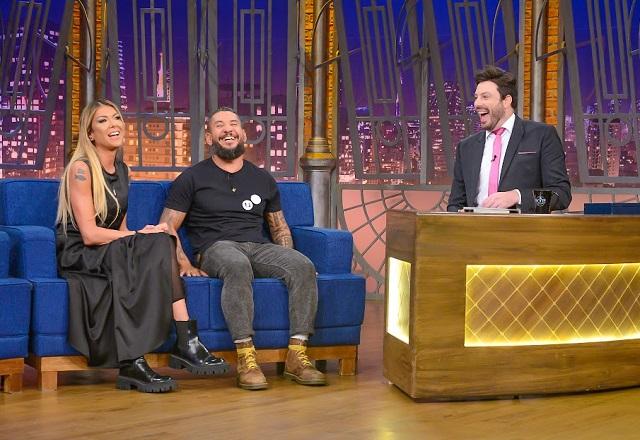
point(501, 199)
point(188, 270)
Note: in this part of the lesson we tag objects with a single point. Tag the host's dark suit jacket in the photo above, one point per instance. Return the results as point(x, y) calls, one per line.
point(534, 159)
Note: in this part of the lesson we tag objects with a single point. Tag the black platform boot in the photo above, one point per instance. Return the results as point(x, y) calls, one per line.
point(139, 375)
point(190, 353)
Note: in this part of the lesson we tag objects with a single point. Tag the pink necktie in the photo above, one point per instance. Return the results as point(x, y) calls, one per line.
point(494, 174)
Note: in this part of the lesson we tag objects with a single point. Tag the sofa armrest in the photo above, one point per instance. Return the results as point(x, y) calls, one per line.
point(330, 250)
point(33, 251)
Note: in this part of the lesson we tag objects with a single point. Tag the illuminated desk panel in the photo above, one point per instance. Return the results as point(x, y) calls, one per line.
point(510, 305)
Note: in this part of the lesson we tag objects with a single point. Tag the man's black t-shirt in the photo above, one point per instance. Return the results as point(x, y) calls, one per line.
point(222, 205)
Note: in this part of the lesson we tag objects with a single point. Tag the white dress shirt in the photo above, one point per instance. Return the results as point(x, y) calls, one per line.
point(487, 157)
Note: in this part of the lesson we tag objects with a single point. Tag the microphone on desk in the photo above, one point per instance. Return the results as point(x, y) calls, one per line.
point(494, 158)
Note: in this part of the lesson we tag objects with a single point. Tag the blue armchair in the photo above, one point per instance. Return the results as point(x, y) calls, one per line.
point(15, 308)
point(27, 213)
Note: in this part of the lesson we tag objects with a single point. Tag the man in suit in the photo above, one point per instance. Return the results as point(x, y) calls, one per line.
point(500, 166)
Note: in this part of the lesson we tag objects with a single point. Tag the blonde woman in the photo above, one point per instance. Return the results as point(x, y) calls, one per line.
point(124, 286)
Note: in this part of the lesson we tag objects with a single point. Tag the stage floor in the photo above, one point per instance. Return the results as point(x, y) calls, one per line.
point(366, 406)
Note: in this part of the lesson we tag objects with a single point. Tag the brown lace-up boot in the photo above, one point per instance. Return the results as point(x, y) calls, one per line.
point(299, 368)
point(250, 375)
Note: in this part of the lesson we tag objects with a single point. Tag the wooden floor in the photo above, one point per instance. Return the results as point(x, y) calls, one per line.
point(87, 406)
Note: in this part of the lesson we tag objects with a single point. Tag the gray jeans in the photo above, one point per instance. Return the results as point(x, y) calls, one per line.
point(236, 264)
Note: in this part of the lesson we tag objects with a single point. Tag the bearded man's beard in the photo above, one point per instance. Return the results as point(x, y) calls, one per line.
point(226, 153)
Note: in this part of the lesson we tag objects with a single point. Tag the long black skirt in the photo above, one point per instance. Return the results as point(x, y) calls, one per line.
point(120, 295)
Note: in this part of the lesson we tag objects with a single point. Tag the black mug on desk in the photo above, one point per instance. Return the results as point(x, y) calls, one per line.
point(542, 199)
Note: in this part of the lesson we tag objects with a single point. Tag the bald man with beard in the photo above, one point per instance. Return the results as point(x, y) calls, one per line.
point(224, 202)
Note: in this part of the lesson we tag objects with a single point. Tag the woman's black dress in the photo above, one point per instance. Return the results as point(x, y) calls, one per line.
point(120, 294)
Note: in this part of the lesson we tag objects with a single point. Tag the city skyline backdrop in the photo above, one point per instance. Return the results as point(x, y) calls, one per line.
point(169, 144)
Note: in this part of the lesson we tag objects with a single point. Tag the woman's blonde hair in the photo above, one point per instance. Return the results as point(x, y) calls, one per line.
point(86, 152)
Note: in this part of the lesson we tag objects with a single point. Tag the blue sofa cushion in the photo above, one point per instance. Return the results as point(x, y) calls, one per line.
point(15, 310)
point(336, 336)
point(146, 201)
point(271, 304)
point(216, 318)
point(198, 300)
point(50, 306)
point(50, 318)
point(33, 251)
point(295, 198)
point(341, 301)
point(5, 246)
point(51, 345)
point(28, 202)
point(330, 250)
point(34, 202)
point(15, 307)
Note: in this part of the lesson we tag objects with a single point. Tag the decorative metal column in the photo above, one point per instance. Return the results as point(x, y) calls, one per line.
point(538, 63)
point(88, 49)
point(318, 160)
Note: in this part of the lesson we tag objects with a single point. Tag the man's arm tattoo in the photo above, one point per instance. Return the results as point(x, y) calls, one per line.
point(174, 220)
point(279, 229)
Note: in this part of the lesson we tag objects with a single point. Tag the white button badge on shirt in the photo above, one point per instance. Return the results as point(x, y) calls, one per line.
point(247, 205)
point(256, 199)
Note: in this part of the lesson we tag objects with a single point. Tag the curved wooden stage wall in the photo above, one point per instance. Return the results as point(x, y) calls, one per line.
point(510, 305)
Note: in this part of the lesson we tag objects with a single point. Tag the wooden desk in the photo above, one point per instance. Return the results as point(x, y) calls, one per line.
point(497, 306)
